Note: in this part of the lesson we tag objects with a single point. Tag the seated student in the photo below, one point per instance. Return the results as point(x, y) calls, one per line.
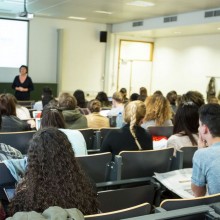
point(21, 111)
point(117, 104)
point(123, 91)
point(52, 117)
point(172, 97)
point(95, 120)
point(72, 116)
point(206, 162)
point(7, 152)
point(158, 111)
point(134, 97)
point(143, 94)
point(131, 136)
point(46, 97)
point(80, 98)
point(10, 122)
point(186, 123)
point(194, 96)
point(103, 98)
point(53, 177)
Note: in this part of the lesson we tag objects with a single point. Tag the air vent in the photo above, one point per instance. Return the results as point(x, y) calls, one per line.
point(170, 19)
point(137, 23)
point(209, 14)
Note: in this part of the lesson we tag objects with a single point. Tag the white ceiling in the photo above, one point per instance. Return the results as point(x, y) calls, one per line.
point(121, 12)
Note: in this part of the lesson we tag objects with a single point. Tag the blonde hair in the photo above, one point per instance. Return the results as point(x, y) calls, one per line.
point(133, 113)
point(158, 109)
point(118, 97)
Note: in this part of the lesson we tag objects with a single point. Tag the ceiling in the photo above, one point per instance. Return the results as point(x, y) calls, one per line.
point(121, 12)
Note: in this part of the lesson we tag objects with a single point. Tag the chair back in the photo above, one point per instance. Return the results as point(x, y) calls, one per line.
point(142, 209)
point(84, 111)
point(26, 103)
point(6, 180)
point(97, 166)
point(137, 164)
point(166, 131)
point(18, 140)
point(89, 137)
point(103, 132)
point(112, 200)
point(112, 121)
point(183, 158)
point(173, 204)
point(188, 153)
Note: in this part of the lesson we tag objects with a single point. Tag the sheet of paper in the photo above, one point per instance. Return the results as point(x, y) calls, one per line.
point(177, 181)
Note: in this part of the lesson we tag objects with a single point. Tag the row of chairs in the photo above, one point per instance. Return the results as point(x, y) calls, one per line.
point(127, 165)
point(132, 161)
point(131, 201)
point(135, 164)
point(93, 138)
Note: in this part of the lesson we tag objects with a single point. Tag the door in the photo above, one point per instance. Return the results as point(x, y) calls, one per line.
point(135, 66)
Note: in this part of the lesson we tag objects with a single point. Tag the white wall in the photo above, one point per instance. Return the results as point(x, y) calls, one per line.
point(180, 63)
point(83, 55)
point(185, 63)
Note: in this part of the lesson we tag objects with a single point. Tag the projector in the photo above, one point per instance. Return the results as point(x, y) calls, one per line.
point(25, 14)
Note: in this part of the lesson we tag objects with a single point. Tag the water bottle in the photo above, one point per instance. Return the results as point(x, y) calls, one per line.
point(119, 120)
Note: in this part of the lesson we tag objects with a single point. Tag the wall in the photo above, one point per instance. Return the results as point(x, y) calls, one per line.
point(82, 58)
point(186, 63)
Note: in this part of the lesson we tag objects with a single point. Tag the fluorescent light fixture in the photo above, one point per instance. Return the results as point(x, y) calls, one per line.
point(104, 12)
point(177, 32)
point(218, 28)
point(77, 18)
point(141, 3)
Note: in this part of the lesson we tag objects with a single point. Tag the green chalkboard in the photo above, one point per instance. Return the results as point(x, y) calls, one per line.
point(36, 94)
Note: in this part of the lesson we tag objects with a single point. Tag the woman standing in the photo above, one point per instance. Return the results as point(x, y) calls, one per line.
point(23, 84)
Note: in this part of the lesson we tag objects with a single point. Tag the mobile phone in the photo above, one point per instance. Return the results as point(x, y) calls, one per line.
point(9, 192)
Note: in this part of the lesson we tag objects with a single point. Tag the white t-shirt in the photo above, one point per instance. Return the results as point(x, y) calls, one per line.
point(77, 141)
point(178, 141)
point(22, 112)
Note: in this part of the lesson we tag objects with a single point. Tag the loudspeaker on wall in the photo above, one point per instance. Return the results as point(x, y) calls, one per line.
point(103, 36)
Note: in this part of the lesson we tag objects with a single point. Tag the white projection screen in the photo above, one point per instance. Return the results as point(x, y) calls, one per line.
point(13, 47)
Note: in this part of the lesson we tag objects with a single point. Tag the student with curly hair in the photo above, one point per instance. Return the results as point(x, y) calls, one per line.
point(131, 136)
point(158, 111)
point(53, 177)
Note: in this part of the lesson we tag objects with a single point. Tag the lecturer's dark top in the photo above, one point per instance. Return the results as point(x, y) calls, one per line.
point(121, 139)
point(26, 84)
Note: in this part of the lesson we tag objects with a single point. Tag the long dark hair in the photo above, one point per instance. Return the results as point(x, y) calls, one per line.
point(80, 97)
point(186, 121)
point(47, 96)
point(53, 177)
point(52, 117)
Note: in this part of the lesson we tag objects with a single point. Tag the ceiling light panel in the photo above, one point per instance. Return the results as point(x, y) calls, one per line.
point(141, 4)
